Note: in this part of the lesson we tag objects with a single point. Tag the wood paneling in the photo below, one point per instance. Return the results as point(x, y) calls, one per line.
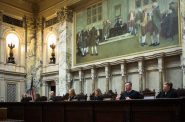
point(157, 110)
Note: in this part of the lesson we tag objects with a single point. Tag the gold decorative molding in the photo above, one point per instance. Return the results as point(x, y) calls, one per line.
point(65, 14)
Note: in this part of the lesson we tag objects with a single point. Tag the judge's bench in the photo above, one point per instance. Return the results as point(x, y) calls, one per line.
point(151, 110)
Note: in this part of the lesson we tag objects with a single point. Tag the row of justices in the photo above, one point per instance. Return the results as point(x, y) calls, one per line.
point(128, 94)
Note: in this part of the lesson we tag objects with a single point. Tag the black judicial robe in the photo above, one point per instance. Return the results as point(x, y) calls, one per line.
point(132, 94)
point(171, 94)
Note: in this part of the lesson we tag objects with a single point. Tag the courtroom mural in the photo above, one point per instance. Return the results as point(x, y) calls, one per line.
point(112, 29)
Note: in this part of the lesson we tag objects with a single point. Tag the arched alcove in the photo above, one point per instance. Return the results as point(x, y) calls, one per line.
point(12, 47)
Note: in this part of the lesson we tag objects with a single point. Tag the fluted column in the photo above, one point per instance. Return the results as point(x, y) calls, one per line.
point(161, 72)
point(123, 75)
point(81, 80)
point(141, 75)
point(94, 77)
point(107, 76)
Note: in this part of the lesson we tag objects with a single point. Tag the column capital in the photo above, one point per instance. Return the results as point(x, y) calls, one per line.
point(65, 14)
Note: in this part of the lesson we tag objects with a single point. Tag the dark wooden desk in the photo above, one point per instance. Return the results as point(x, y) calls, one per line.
point(157, 110)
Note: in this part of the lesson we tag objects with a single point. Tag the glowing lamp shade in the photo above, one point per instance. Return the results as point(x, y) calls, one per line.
point(51, 39)
point(12, 39)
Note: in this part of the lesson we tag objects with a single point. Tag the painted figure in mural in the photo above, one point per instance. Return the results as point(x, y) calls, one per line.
point(86, 39)
point(156, 24)
point(82, 42)
point(93, 39)
point(79, 43)
point(118, 27)
point(106, 28)
point(144, 22)
point(138, 22)
point(131, 22)
point(173, 20)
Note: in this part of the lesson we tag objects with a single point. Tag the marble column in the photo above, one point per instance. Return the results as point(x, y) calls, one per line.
point(161, 72)
point(183, 40)
point(141, 75)
point(1, 34)
point(69, 77)
point(94, 77)
point(57, 87)
point(2, 40)
point(65, 17)
point(107, 76)
point(123, 75)
point(30, 40)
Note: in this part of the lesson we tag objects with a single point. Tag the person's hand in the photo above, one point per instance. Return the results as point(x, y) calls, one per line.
point(127, 98)
point(118, 97)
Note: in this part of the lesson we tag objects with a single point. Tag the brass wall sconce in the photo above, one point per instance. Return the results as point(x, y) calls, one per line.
point(11, 58)
point(52, 59)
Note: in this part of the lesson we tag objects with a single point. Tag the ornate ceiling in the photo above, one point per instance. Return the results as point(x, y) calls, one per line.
point(31, 5)
point(45, 8)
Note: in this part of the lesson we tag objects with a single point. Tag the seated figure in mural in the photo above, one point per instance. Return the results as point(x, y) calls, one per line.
point(72, 95)
point(168, 91)
point(118, 27)
point(129, 94)
point(96, 95)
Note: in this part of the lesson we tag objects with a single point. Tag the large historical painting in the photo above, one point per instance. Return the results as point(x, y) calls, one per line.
point(118, 28)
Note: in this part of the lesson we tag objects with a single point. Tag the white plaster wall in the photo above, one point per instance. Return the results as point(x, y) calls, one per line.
point(174, 75)
point(76, 86)
point(116, 84)
point(101, 84)
point(152, 80)
point(88, 86)
point(134, 78)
